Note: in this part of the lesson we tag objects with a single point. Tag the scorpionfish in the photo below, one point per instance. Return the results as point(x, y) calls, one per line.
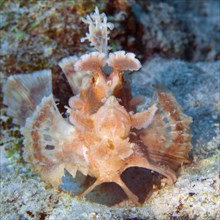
point(103, 134)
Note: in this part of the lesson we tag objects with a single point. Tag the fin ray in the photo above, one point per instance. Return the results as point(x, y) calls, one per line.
point(22, 93)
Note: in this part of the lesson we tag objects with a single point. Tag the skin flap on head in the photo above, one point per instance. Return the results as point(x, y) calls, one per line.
point(98, 31)
point(122, 61)
point(73, 76)
point(90, 62)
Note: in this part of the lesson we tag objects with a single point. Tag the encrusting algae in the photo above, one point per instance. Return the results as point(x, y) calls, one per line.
point(104, 134)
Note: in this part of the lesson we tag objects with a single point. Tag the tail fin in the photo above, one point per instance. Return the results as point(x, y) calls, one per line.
point(22, 93)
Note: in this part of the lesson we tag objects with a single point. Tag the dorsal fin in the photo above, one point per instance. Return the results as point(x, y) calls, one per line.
point(22, 93)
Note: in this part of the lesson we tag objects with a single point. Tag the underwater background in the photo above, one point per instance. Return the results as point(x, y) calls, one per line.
point(178, 43)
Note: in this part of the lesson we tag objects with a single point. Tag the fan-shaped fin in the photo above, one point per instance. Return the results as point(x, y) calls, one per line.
point(22, 93)
point(139, 159)
point(116, 180)
point(143, 119)
point(67, 65)
point(74, 77)
point(120, 61)
point(51, 143)
point(167, 139)
point(89, 189)
point(128, 192)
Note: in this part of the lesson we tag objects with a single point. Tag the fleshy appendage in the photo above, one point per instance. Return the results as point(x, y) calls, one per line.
point(99, 86)
point(51, 144)
point(94, 62)
point(23, 92)
point(168, 138)
point(74, 77)
point(122, 61)
point(98, 31)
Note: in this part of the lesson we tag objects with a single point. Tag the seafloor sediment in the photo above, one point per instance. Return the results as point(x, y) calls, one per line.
point(34, 37)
